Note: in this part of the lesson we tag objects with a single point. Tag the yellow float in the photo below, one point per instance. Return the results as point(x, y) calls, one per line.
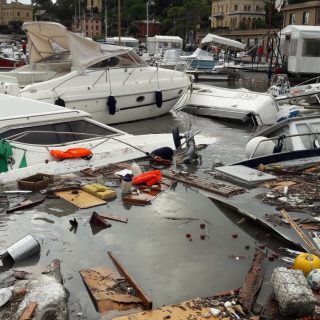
point(306, 262)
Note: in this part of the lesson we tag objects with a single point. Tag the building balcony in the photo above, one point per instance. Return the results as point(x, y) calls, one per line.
point(218, 15)
point(251, 12)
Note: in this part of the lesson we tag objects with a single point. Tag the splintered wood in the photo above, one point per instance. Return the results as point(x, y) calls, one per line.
point(221, 189)
point(108, 289)
point(253, 282)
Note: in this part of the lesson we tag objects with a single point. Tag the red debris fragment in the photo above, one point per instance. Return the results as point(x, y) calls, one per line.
point(234, 235)
point(202, 225)
point(188, 235)
point(202, 236)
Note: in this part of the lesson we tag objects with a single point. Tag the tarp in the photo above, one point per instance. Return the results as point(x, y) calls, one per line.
point(221, 41)
point(41, 36)
point(199, 54)
point(165, 39)
point(48, 38)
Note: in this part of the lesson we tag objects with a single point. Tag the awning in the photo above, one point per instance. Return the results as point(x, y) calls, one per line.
point(222, 42)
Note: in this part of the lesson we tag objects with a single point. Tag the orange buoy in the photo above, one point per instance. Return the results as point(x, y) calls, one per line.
point(306, 262)
point(149, 178)
point(71, 153)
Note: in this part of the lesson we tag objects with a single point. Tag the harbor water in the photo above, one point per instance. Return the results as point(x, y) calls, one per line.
point(154, 248)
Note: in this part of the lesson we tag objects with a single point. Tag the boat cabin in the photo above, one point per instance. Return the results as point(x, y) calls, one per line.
point(302, 48)
point(124, 41)
point(157, 45)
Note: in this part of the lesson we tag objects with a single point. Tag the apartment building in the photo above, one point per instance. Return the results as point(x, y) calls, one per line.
point(306, 13)
point(237, 14)
point(15, 11)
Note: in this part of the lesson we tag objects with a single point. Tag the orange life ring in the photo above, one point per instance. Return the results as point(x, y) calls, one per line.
point(149, 177)
point(71, 153)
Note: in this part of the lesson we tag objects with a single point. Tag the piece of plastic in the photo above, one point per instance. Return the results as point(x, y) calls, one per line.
point(149, 178)
point(135, 168)
point(5, 296)
point(71, 153)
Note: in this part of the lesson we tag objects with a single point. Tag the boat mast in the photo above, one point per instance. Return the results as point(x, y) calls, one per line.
point(119, 21)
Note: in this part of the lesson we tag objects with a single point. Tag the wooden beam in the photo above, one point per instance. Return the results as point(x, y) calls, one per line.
point(145, 300)
point(29, 311)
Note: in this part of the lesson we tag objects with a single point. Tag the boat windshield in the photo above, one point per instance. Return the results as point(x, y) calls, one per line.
point(56, 133)
point(129, 59)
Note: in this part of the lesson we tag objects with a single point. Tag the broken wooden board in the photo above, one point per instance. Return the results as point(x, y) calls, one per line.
point(144, 298)
point(204, 184)
point(253, 282)
point(80, 198)
point(113, 217)
point(29, 311)
point(25, 204)
point(103, 285)
point(198, 308)
point(145, 195)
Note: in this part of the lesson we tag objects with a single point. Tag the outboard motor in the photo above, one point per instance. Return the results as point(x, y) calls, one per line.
point(189, 155)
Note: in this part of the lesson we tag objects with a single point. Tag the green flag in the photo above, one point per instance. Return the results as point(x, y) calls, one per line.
point(23, 162)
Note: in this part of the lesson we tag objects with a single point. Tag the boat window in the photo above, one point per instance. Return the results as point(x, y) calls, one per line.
point(56, 133)
point(311, 48)
point(293, 47)
point(307, 140)
point(129, 59)
point(315, 126)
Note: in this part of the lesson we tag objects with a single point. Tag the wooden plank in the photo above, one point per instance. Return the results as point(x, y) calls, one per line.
point(25, 205)
point(101, 283)
point(301, 234)
point(145, 300)
point(204, 184)
point(29, 311)
point(113, 217)
point(80, 198)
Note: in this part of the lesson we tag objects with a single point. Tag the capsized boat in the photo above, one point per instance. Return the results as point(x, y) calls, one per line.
point(235, 104)
point(32, 133)
point(112, 83)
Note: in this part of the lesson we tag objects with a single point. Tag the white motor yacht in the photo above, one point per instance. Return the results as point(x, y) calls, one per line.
point(32, 129)
point(112, 83)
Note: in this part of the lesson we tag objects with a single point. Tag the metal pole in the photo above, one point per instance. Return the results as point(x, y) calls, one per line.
point(147, 18)
point(106, 18)
point(119, 21)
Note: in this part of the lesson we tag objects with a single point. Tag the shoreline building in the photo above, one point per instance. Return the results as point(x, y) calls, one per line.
point(234, 15)
point(15, 11)
point(304, 13)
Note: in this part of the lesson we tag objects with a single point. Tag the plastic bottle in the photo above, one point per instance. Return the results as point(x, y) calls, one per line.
point(135, 168)
point(126, 184)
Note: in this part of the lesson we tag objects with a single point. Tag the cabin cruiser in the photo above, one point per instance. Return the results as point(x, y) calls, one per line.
point(33, 129)
point(235, 104)
point(10, 57)
point(291, 142)
point(112, 83)
point(200, 60)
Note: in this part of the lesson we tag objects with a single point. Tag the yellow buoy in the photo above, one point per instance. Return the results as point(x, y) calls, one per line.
point(306, 262)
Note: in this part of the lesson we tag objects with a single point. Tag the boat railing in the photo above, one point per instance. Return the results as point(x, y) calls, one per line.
point(281, 139)
point(87, 136)
point(317, 78)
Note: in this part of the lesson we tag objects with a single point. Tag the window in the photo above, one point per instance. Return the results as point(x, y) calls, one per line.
point(292, 18)
point(27, 14)
point(257, 8)
point(305, 17)
point(311, 48)
point(307, 140)
point(235, 7)
point(85, 130)
point(18, 13)
point(293, 47)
